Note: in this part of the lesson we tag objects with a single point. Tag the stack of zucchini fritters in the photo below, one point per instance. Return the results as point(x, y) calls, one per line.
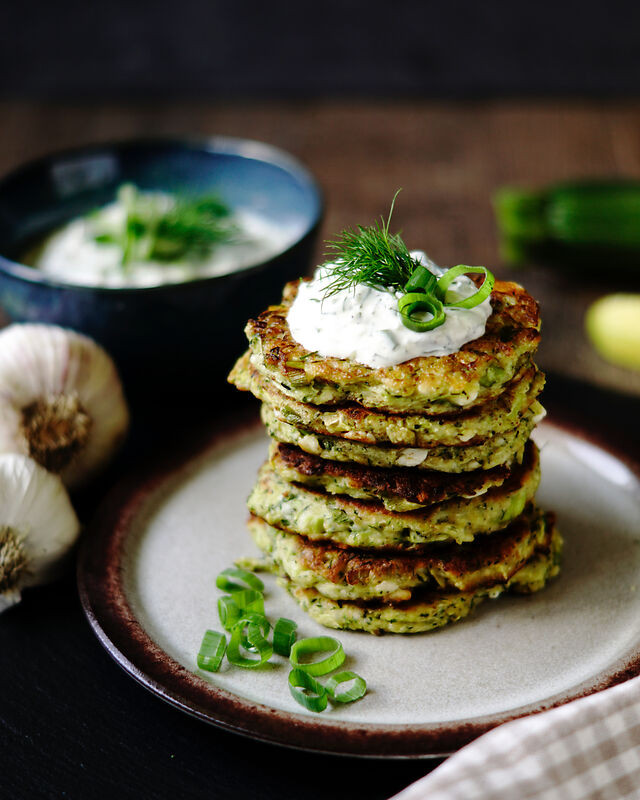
point(396, 499)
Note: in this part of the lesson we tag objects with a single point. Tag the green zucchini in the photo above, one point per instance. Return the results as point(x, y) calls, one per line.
point(578, 219)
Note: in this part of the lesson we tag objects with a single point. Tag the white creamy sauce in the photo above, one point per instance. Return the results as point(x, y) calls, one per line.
point(363, 324)
point(71, 254)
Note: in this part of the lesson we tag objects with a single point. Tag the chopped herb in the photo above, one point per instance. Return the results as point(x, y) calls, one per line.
point(250, 648)
point(158, 227)
point(370, 255)
point(373, 256)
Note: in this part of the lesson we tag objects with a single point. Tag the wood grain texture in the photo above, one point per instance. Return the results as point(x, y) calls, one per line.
point(71, 723)
point(448, 157)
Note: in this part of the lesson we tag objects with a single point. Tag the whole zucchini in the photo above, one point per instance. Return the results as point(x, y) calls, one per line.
point(579, 219)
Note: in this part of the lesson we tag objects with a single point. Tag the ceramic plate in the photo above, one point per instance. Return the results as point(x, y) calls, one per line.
point(147, 572)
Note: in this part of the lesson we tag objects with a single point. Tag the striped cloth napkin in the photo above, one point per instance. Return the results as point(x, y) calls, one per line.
point(586, 750)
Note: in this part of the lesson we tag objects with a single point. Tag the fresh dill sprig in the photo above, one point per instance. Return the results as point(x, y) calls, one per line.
point(158, 228)
point(371, 255)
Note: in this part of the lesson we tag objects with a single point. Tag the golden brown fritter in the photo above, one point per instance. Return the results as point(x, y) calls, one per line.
point(430, 610)
point(347, 574)
point(370, 426)
point(471, 376)
point(368, 524)
point(500, 449)
point(399, 488)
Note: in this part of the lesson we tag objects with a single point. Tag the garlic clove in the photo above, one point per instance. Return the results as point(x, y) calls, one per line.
point(38, 526)
point(61, 400)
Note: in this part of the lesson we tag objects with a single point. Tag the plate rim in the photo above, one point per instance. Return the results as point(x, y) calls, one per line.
point(112, 620)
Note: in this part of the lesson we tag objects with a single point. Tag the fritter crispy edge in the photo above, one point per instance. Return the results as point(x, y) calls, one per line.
point(470, 376)
point(353, 574)
point(371, 426)
point(394, 486)
point(432, 611)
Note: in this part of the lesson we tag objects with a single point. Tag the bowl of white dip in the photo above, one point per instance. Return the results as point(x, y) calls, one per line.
point(170, 324)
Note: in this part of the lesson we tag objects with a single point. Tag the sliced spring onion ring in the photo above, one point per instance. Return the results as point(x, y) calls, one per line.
point(416, 302)
point(212, 651)
point(224, 580)
point(284, 635)
point(477, 297)
point(425, 292)
point(249, 600)
point(357, 691)
point(307, 691)
point(249, 617)
point(229, 612)
point(421, 280)
point(253, 639)
point(313, 645)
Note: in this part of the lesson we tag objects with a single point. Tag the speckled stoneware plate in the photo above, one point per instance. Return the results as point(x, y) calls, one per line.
point(147, 573)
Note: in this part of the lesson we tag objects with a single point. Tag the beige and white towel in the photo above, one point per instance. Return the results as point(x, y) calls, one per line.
point(588, 749)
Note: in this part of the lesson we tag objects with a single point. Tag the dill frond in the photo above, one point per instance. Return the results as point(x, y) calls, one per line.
point(370, 255)
point(157, 230)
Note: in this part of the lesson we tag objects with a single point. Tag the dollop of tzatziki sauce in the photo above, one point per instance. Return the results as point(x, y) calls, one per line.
point(363, 324)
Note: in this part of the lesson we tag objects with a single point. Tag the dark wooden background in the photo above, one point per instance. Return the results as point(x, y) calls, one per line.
point(71, 723)
point(448, 158)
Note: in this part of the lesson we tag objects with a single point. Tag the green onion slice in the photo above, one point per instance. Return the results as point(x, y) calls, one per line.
point(284, 635)
point(212, 651)
point(253, 640)
point(357, 691)
point(312, 646)
point(224, 580)
point(477, 297)
point(421, 280)
point(307, 691)
point(229, 612)
point(415, 302)
point(246, 604)
point(249, 617)
point(249, 600)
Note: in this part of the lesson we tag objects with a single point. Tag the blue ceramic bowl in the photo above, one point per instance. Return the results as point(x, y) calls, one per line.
point(163, 336)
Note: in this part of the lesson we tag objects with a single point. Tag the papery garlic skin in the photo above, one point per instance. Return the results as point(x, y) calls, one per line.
point(37, 517)
point(61, 400)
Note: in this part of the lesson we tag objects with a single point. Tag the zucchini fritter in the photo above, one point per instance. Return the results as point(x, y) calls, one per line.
point(500, 449)
point(347, 574)
point(399, 489)
point(435, 608)
point(474, 374)
point(368, 524)
point(371, 426)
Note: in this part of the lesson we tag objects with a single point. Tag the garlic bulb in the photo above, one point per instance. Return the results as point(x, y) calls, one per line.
point(37, 525)
point(61, 400)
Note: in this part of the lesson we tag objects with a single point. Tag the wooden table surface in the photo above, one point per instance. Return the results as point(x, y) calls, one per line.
point(71, 724)
point(448, 159)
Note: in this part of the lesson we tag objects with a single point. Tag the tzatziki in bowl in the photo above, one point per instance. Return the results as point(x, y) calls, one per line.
point(147, 239)
point(158, 249)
